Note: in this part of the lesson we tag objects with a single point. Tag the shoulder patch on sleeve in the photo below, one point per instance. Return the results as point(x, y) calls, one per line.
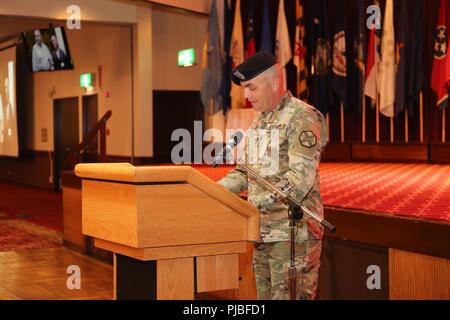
point(308, 139)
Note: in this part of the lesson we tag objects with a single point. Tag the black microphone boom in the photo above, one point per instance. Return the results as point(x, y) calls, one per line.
point(226, 151)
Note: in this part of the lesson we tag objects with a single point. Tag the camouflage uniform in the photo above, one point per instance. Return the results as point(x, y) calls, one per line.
point(302, 137)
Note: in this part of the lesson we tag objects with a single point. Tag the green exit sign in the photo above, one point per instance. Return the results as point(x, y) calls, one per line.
point(86, 80)
point(186, 58)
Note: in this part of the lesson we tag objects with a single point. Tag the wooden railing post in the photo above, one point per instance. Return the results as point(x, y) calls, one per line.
point(100, 126)
point(103, 142)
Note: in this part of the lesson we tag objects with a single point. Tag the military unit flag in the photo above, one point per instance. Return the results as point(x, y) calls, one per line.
point(300, 53)
point(440, 75)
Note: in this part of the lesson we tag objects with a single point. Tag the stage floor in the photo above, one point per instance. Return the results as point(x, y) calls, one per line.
point(410, 190)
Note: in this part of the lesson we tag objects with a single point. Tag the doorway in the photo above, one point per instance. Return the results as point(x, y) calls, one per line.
point(66, 135)
point(90, 119)
point(173, 110)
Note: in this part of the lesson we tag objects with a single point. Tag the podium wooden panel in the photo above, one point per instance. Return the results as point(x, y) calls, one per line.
point(174, 232)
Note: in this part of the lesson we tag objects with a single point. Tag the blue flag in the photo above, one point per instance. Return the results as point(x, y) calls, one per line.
point(359, 59)
point(402, 48)
point(416, 69)
point(212, 65)
point(266, 34)
point(321, 91)
point(339, 77)
point(225, 88)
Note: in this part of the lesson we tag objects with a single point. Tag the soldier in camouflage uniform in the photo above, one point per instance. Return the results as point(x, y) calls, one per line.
point(301, 132)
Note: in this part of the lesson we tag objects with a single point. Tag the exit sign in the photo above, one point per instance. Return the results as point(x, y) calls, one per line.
point(86, 80)
point(186, 58)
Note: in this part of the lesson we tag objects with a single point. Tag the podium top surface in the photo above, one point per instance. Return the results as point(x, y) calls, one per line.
point(153, 175)
point(126, 172)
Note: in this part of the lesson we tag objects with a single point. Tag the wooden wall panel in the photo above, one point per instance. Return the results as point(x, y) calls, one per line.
point(390, 152)
point(417, 276)
point(440, 152)
point(72, 218)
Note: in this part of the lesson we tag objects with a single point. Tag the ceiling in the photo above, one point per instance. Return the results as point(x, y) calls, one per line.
point(11, 27)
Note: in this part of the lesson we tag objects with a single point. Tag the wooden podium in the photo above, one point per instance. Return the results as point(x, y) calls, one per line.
point(174, 232)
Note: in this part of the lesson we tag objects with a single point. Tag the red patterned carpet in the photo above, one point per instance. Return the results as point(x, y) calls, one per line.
point(31, 204)
point(29, 218)
point(411, 190)
point(12, 239)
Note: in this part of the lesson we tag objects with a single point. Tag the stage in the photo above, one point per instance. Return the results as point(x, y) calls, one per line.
point(393, 216)
point(419, 191)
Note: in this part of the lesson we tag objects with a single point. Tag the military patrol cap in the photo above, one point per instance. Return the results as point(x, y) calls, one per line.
point(252, 67)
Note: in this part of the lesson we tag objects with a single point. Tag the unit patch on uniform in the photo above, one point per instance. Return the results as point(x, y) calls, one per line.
point(308, 139)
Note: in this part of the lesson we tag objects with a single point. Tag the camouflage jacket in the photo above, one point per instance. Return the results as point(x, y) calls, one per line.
point(298, 131)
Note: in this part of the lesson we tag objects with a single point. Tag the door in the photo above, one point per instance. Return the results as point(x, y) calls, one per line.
point(66, 135)
point(90, 119)
point(174, 110)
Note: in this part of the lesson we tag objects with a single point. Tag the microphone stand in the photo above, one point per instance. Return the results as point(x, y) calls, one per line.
point(296, 212)
point(287, 198)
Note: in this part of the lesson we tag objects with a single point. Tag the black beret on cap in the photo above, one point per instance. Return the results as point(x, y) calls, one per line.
point(252, 67)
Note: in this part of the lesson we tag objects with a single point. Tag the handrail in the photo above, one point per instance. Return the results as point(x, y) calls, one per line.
point(100, 126)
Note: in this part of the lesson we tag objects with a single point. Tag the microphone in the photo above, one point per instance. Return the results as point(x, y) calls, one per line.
point(231, 143)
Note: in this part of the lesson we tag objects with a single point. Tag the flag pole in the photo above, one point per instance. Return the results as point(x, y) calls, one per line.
point(443, 126)
point(328, 127)
point(342, 124)
point(406, 127)
point(421, 115)
point(363, 110)
point(377, 105)
point(392, 129)
point(364, 122)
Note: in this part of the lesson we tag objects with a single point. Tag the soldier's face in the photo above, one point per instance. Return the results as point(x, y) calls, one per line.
point(261, 93)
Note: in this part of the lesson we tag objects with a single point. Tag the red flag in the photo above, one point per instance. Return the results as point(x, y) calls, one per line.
point(373, 60)
point(448, 67)
point(370, 88)
point(441, 70)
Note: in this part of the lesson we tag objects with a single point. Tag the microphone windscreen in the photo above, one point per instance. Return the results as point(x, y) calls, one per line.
point(238, 137)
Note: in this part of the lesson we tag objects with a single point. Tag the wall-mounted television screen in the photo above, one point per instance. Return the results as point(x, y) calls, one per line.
point(47, 49)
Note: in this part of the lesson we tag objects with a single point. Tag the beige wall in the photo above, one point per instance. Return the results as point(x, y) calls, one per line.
point(93, 45)
point(106, 44)
point(149, 37)
point(173, 32)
